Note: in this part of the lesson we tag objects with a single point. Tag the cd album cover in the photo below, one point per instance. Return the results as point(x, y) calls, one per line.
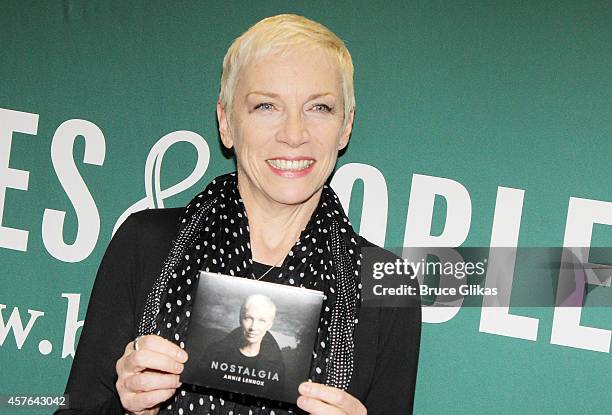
point(251, 337)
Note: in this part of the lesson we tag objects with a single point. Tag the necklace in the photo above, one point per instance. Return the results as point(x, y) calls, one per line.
point(267, 272)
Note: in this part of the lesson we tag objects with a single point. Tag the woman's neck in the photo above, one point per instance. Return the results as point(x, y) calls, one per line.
point(250, 350)
point(274, 228)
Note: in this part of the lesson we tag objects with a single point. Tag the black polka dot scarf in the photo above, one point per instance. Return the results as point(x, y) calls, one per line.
point(214, 236)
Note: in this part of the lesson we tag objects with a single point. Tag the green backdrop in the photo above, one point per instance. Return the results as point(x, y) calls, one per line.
point(488, 94)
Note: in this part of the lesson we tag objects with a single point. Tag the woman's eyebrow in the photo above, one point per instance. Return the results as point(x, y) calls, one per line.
point(274, 95)
point(267, 94)
point(320, 95)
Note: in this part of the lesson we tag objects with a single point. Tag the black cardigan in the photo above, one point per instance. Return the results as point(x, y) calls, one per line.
point(386, 339)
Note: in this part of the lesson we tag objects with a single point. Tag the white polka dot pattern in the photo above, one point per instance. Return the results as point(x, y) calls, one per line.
point(214, 236)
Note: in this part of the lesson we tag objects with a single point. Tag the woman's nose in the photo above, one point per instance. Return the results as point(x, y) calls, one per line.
point(294, 131)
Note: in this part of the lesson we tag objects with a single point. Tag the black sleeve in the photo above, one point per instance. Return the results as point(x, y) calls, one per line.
point(393, 384)
point(109, 326)
point(391, 390)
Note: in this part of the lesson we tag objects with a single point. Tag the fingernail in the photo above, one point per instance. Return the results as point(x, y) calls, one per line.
point(301, 402)
point(304, 388)
point(182, 355)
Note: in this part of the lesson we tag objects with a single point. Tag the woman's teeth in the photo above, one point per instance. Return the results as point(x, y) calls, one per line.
point(291, 165)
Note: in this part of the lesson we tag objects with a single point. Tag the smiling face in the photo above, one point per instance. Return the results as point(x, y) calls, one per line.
point(286, 126)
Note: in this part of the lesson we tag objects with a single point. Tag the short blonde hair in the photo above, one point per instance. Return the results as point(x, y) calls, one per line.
point(277, 34)
point(260, 299)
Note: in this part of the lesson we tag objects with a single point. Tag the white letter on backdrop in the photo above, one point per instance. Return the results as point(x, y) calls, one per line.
point(566, 328)
point(373, 224)
point(456, 228)
point(10, 122)
point(155, 196)
point(495, 318)
point(72, 324)
point(76, 189)
point(14, 323)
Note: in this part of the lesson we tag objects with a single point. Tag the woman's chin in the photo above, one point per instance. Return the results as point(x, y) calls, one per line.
point(292, 196)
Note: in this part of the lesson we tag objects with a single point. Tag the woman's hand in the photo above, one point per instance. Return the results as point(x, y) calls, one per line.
point(317, 399)
point(150, 375)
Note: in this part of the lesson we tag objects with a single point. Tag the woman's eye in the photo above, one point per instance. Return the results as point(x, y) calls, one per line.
point(266, 106)
point(322, 108)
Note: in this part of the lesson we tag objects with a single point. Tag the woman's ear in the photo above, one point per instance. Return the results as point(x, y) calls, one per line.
point(346, 132)
point(224, 130)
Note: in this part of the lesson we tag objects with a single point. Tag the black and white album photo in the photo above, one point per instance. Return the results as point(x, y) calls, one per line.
point(251, 337)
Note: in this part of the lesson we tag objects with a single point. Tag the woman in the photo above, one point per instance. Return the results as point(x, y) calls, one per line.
point(286, 108)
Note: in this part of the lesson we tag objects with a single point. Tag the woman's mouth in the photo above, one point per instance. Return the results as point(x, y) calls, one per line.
point(290, 165)
point(291, 168)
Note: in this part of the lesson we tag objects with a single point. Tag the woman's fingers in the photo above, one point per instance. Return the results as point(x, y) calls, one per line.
point(160, 345)
point(150, 375)
point(142, 359)
point(154, 352)
point(316, 398)
point(317, 407)
point(149, 381)
point(136, 402)
point(144, 390)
